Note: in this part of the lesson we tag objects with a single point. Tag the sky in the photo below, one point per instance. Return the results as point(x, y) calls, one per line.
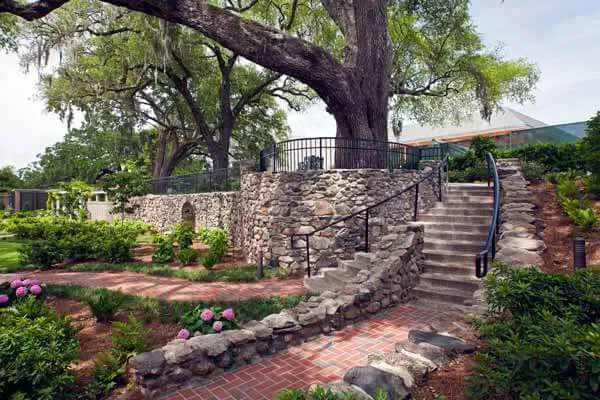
point(561, 36)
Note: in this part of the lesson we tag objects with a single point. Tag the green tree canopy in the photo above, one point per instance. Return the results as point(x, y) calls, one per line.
point(9, 179)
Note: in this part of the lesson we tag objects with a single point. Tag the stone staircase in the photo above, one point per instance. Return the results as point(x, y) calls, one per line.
point(455, 231)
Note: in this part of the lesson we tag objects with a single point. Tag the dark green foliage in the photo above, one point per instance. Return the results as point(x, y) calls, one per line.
point(184, 234)
point(543, 337)
point(194, 323)
point(129, 338)
point(188, 256)
point(553, 157)
point(36, 350)
point(574, 204)
point(590, 146)
point(216, 238)
point(533, 171)
point(44, 253)
point(116, 249)
point(104, 304)
point(320, 393)
point(164, 252)
point(122, 186)
point(108, 373)
point(481, 146)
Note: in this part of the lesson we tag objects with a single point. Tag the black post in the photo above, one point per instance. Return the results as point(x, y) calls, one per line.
point(321, 153)
point(261, 162)
point(260, 272)
point(478, 266)
point(273, 155)
point(579, 259)
point(307, 256)
point(367, 232)
point(440, 181)
point(416, 202)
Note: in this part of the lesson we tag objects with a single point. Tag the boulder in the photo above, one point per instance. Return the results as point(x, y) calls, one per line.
point(342, 388)
point(515, 257)
point(147, 364)
point(212, 345)
point(449, 343)
point(370, 379)
point(523, 243)
point(260, 330)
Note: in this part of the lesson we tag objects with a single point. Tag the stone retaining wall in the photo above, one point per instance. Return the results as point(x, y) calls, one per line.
point(218, 209)
point(270, 207)
point(518, 244)
point(200, 358)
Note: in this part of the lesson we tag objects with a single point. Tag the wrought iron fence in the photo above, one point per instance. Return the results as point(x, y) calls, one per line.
point(219, 180)
point(342, 153)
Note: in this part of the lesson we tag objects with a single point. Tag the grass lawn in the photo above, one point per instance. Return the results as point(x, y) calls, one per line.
point(246, 273)
point(9, 256)
point(171, 311)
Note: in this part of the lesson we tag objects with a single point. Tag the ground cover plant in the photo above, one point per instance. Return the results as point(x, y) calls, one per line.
point(574, 203)
point(320, 393)
point(543, 336)
point(36, 345)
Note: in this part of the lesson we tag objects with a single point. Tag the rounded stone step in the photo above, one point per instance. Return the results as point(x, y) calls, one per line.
point(453, 245)
point(460, 282)
point(467, 269)
point(438, 293)
point(452, 257)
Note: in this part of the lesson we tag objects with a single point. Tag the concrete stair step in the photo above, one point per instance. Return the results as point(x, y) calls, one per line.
point(455, 197)
point(351, 266)
point(339, 277)
point(366, 259)
point(473, 193)
point(435, 234)
point(461, 268)
point(459, 282)
point(476, 212)
point(484, 205)
point(451, 257)
point(443, 306)
point(464, 246)
point(467, 186)
point(457, 219)
point(319, 284)
point(457, 227)
point(438, 293)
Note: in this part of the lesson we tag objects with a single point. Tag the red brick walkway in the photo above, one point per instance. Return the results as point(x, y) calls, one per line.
point(323, 360)
point(170, 288)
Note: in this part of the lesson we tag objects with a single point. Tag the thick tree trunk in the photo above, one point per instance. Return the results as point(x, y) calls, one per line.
point(159, 155)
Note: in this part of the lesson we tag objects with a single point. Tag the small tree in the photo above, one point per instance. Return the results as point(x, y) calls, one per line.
point(481, 145)
point(72, 197)
point(122, 186)
point(590, 149)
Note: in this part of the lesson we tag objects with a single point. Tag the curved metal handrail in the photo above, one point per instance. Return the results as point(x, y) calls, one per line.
point(366, 210)
point(482, 259)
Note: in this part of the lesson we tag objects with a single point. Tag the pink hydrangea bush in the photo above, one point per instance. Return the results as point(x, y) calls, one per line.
point(203, 321)
point(18, 288)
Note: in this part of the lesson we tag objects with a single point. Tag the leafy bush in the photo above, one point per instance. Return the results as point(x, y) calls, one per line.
point(184, 235)
point(35, 354)
point(575, 206)
point(216, 238)
point(543, 337)
point(533, 171)
point(108, 373)
point(320, 393)
point(129, 338)
point(188, 256)
point(104, 305)
point(209, 320)
point(164, 252)
point(590, 147)
point(44, 253)
point(116, 249)
point(559, 157)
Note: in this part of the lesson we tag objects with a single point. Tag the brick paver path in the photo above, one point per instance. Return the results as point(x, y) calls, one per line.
point(323, 360)
point(170, 288)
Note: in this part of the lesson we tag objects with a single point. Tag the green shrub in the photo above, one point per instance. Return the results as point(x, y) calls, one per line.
point(116, 249)
point(202, 319)
point(184, 234)
point(129, 338)
point(104, 304)
point(590, 147)
point(35, 354)
point(559, 157)
point(533, 171)
point(543, 337)
point(44, 253)
point(188, 256)
point(216, 238)
point(320, 393)
point(584, 217)
point(164, 252)
point(108, 373)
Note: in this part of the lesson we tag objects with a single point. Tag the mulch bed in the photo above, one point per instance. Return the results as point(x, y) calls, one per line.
point(95, 338)
point(558, 231)
point(448, 381)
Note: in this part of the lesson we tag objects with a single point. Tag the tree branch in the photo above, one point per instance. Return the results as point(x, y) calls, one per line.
point(31, 11)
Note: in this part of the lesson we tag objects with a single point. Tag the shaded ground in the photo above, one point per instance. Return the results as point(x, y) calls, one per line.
point(95, 338)
point(448, 382)
point(558, 231)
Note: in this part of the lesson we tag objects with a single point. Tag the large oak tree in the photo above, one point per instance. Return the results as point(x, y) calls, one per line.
point(403, 49)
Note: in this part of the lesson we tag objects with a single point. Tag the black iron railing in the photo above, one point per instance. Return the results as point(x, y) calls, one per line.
point(435, 173)
point(341, 153)
point(488, 251)
point(218, 180)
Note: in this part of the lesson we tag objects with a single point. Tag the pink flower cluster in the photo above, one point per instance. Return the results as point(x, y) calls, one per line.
point(207, 315)
point(23, 288)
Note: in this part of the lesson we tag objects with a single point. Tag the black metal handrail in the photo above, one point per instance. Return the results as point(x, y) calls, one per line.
point(324, 153)
point(441, 165)
point(482, 259)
